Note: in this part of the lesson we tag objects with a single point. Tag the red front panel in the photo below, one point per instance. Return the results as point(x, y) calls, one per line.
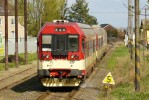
point(61, 36)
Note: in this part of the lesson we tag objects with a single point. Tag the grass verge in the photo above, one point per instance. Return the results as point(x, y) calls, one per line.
point(31, 57)
point(123, 72)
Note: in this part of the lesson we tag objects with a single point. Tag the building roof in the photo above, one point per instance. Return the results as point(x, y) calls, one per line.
point(11, 11)
point(103, 25)
point(107, 25)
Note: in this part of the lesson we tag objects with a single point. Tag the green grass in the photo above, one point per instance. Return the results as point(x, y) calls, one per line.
point(119, 52)
point(123, 72)
point(31, 57)
point(127, 92)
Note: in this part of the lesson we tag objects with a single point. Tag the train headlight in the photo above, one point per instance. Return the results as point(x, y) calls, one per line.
point(47, 56)
point(76, 56)
point(72, 56)
point(43, 55)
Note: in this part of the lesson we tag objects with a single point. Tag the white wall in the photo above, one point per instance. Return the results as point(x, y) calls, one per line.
point(31, 45)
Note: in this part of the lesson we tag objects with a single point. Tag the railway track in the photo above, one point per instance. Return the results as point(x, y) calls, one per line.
point(30, 90)
point(18, 77)
point(50, 95)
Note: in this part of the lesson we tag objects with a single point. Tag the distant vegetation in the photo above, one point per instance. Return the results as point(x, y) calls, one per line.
point(42, 11)
point(11, 60)
point(123, 72)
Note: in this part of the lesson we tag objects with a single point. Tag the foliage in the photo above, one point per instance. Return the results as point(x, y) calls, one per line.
point(41, 11)
point(53, 9)
point(11, 64)
point(112, 33)
point(63, 10)
point(11, 58)
point(35, 8)
point(79, 12)
point(116, 56)
point(123, 72)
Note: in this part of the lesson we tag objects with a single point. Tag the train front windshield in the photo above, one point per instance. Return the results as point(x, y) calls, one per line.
point(60, 42)
point(73, 43)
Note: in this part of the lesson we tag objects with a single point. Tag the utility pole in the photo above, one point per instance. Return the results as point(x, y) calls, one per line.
point(137, 47)
point(145, 28)
point(25, 30)
point(130, 18)
point(6, 34)
point(16, 32)
point(130, 28)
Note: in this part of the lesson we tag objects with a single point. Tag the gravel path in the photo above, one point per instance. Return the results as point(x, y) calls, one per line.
point(93, 89)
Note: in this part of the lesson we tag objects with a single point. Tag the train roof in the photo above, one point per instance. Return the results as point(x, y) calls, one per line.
point(99, 29)
point(83, 29)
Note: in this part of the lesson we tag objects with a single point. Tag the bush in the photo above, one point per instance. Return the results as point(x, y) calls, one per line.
point(11, 58)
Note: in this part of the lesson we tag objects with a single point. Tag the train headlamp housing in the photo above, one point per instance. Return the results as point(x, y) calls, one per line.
point(73, 56)
point(76, 56)
point(46, 56)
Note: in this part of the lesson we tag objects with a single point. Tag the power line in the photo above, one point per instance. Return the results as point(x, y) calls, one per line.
point(133, 11)
point(110, 12)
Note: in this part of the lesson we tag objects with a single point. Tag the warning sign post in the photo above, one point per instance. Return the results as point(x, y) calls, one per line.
point(108, 81)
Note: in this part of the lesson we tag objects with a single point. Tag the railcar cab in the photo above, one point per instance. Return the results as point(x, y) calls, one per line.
point(60, 40)
point(65, 51)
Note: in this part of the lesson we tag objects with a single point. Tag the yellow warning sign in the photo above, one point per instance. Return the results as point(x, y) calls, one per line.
point(108, 79)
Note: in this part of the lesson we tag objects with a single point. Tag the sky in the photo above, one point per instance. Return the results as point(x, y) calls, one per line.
point(114, 12)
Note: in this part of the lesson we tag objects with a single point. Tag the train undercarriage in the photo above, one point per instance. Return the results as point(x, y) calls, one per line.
point(57, 82)
point(59, 78)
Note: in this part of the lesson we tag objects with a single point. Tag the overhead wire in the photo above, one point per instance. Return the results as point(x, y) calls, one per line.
point(134, 11)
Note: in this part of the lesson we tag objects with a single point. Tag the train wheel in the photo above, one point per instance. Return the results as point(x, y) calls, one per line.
point(84, 78)
point(93, 67)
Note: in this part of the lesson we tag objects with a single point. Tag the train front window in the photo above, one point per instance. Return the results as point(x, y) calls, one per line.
point(46, 42)
point(60, 42)
point(73, 43)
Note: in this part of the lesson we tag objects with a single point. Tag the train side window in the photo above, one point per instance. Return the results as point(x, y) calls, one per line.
point(46, 42)
point(90, 47)
point(73, 43)
point(83, 45)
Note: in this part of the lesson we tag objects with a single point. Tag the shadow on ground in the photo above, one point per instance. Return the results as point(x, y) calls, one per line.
point(33, 84)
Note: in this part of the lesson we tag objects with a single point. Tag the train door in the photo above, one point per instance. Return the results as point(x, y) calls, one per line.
point(84, 50)
point(59, 43)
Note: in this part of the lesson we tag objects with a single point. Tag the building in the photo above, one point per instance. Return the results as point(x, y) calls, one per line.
point(11, 22)
point(112, 32)
point(145, 31)
point(11, 30)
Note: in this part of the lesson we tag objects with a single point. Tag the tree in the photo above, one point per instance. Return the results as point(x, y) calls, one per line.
point(91, 20)
point(35, 10)
point(53, 9)
point(112, 33)
point(79, 12)
point(64, 10)
point(40, 12)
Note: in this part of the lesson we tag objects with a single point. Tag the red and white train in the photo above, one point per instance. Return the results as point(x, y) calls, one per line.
point(68, 52)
